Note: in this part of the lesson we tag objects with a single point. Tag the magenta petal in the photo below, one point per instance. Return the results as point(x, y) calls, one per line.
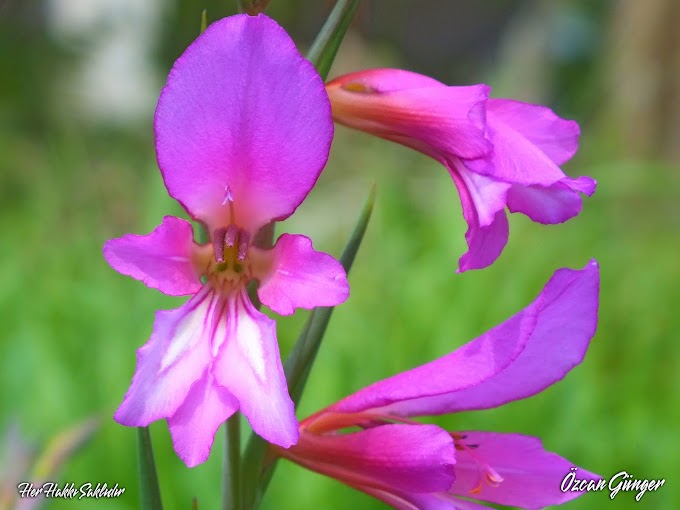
point(414, 110)
point(243, 116)
point(551, 205)
point(248, 364)
point(175, 357)
point(518, 358)
point(530, 142)
point(566, 312)
point(195, 423)
point(416, 458)
point(532, 476)
point(483, 203)
point(161, 259)
point(421, 501)
point(300, 277)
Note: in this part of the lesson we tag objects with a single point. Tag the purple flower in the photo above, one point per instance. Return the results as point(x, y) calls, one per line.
point(499, 152)
point(243, 129)
point(410, 465)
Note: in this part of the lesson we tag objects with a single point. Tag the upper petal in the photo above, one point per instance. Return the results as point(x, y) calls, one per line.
point(175, 357)
point(532, 476)
point(516, 359)
point(243, 116)
point(417, 458)
point(248, 365)
point(300, 277)
point(530, 142)
point(414, 110)
point(194, 424)
point(161, 259)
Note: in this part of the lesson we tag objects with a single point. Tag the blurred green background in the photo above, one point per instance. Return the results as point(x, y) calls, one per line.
point(78, 87)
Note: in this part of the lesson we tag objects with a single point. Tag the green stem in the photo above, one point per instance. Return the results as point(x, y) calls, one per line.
point(148, 478)
point(231, 469)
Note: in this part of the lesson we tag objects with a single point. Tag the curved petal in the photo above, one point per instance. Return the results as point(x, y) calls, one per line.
point(532, 476)
point(243, 117)
point(414, 110)
point(248, 365)
point(300, 277)
point(530, 142)
point(402, 500)
point(483, 203)
point(516, 359)
point(161, 259)
point(417, 458)
point(175, 357)
point(195, 423)
point(553, 204)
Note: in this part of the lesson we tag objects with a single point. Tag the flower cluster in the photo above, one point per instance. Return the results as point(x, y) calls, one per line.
point(243, 129)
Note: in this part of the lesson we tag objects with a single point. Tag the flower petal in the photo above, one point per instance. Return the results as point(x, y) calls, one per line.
point(417, 458)
point(195, 423)
point(532, 476)
point(243, 116)
point(248, 365)
point(483, 203)
point(529, 142)
point(300, 277)
point(553, 204)
point(414, 110)
point(421, 501)
point(171, 361)
point(161, 259)
point(518, 358)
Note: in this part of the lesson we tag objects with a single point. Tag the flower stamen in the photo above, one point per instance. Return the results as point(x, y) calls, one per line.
point(487, 473)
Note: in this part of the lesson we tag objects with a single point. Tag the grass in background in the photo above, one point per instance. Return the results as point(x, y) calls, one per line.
point(70, 324)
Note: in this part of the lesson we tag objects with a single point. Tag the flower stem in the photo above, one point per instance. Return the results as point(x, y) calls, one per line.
point(231, 468)
point(150, 492)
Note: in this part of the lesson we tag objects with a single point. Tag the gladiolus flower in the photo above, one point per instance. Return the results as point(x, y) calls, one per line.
point(499, 152)
point(412, 466)
point(243, 129)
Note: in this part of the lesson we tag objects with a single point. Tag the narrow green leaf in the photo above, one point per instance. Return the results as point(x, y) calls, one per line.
point(231, 467)
point(325, 46)
point(148, 478)
point(204, 20)
point(257, 472)
point(300, 360)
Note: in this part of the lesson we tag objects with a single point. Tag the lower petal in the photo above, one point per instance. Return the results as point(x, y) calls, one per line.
point(552, 204)
point(394, 457)
point(531, 476)
point(171, 361)
point(483, 201)
point(249, 366)
point(195, 423)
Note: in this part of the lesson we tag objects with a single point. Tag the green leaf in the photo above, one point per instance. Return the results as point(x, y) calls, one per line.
point(297, 368)
point(148, 478)
point(231, 466)
point(325, 46)
point(300, 360)
point(204, 20)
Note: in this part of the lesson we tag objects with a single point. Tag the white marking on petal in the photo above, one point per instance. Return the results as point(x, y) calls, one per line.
point(190, 328)
point(249, 337)
point(228, 195)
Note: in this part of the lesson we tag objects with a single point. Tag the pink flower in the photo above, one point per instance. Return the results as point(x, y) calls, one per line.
point(499, 152)
point(410, 465)
point(243, 129)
